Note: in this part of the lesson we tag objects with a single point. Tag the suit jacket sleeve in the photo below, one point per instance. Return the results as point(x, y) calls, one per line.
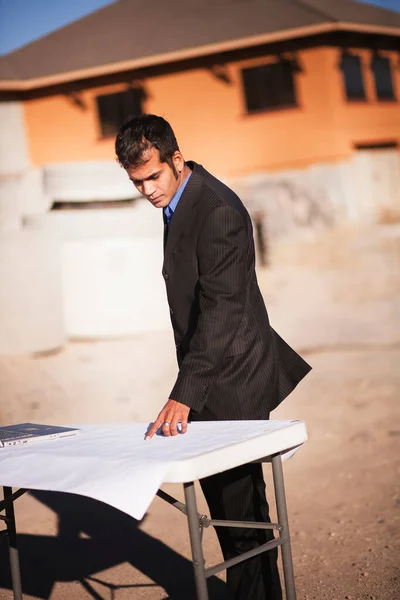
point(222, 258)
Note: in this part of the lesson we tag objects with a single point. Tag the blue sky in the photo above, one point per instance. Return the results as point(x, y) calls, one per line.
point(22, 21)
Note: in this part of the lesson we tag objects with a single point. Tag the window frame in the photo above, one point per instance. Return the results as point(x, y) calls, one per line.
point(346, 56)
point(110, 129)
point(376, 59)
point(265, 67)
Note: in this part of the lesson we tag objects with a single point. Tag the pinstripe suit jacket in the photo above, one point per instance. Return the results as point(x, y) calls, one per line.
point(232, 364)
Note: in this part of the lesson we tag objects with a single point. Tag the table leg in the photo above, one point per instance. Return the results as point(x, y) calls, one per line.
point(195, 542)
point(281, 509)
point(12, 545)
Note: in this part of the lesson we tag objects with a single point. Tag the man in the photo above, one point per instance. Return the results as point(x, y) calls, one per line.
point(232, 364)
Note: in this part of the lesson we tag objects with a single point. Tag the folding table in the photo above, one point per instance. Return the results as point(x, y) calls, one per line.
point(114, 464)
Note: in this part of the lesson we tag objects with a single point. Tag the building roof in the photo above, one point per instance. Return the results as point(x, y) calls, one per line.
point(129, 34)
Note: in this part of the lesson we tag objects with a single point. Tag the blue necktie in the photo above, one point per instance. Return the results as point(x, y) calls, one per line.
point(168, 214)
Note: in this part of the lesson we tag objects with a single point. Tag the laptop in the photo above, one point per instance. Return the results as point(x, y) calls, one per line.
point(24, 433)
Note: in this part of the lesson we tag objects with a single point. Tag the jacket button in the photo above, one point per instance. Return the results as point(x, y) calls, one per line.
point(177, 346)
point(166, 276)
point(171, 311)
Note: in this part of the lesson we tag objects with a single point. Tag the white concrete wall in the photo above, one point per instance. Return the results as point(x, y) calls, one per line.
point(377, 177)
point(113, 287)
point(86, 181)
point(21, 185)
point(21, 194)
point(141, 219)
point(31, 313)
point(112, 261)
point(13, 143)
point(297, 204)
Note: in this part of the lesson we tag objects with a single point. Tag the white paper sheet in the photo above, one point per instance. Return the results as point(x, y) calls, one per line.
point(114, 463)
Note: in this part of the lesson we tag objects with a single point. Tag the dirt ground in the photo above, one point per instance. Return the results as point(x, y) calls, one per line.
point(337, 300)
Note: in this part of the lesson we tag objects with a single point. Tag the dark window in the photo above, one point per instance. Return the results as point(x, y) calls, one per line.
point(269, 87)
point(376, 145)
point(353, 77)
point(115, 109)
point(383, 78)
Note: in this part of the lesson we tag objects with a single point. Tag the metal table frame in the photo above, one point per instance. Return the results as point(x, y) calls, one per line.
point(197, 523)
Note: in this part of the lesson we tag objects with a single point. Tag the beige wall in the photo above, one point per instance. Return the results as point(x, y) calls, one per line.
point(212, 126)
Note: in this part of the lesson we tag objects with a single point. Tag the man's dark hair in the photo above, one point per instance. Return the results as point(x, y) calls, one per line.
point(138, 135)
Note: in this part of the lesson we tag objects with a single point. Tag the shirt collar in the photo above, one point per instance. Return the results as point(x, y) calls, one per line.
point(177, 196)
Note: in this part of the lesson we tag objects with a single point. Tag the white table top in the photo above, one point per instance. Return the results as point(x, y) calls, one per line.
point(114, 464)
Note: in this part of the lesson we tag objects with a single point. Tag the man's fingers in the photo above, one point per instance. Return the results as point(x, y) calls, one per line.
point(179, 424)
point(151, 431)
point(172, 420)
point(157, 423)
point(184, 420)
point(167, 423)
point(166, 428)
point(174, 426)
point(181, 420)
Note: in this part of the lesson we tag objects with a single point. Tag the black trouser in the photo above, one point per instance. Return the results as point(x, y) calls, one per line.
point(239, 495)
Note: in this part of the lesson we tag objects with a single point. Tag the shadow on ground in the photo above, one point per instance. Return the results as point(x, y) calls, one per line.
point(113, 538)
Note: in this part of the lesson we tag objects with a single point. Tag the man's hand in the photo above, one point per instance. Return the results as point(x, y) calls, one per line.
point(172, 413)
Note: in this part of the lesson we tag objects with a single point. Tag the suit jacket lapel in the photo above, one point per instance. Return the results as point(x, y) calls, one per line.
point(182, 214)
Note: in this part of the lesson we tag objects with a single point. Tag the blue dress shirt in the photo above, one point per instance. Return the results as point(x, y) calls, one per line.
point(170, 209)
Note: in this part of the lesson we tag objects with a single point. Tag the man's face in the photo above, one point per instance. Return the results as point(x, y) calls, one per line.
point(156, 180)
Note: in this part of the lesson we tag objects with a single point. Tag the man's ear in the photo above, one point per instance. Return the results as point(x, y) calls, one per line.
point(178, 161)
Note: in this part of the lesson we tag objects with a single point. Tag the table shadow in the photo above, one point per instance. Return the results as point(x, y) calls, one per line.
point(92, 537)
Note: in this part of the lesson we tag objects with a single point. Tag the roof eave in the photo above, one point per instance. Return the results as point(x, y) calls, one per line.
point(209, 49)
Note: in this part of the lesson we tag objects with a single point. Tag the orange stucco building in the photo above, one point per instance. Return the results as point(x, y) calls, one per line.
point(211, 122)
point(249, 87)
